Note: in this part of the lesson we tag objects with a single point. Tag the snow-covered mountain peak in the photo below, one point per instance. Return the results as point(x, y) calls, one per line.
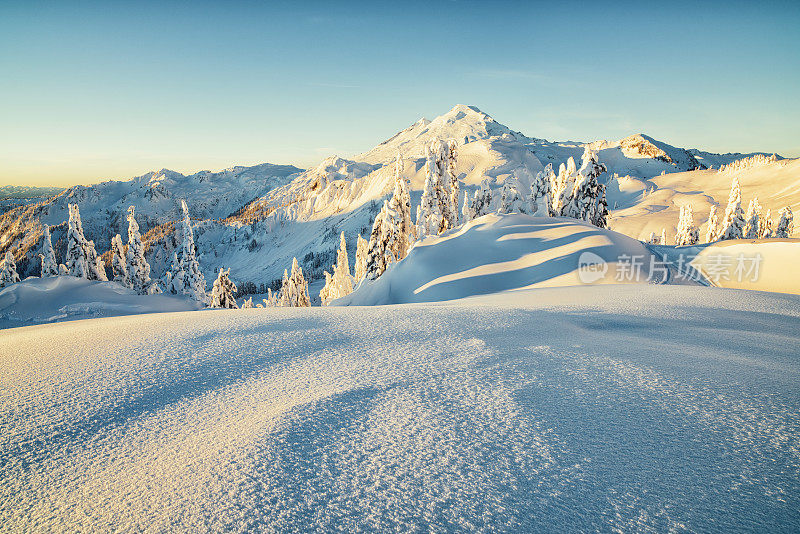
point(463, 123)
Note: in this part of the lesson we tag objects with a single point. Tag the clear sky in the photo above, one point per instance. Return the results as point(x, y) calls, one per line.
point(99, 90)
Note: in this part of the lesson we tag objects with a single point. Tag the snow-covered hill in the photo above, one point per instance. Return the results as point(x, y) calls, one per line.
point(496, 253)
point(586, 409)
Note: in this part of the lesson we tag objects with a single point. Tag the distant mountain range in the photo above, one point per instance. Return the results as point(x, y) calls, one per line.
point(255, 219)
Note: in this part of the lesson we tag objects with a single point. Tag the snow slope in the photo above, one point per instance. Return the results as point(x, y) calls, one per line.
point(66, 298)
point(595, 408)
point(509, 252)
point(777, 184)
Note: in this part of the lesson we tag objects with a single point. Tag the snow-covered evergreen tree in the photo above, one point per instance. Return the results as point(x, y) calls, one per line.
point(97, 267)
point(540, 198)
point(48, 255)
point(587, 199)
point(733, 223)
point(400, 207)
point(663, 239)
point(184, 276)
point(466, 209)
point(8, 270)
point(452, 153)
point(713, 225)
point(138, 270)
point(294, 290)
point(75, 259)
point(511, 200)
point(223, 292)
point(340, 283)
point(785, 227)
point(272, 298)
point(481, 201)
point(381, 241)
point(119, 265)
point(765, 227)
point(248, 304)
point(753, 220)
point(438, 208)
point(653, 239)
point(563, 186)
point(688, 233)
point(361, 259)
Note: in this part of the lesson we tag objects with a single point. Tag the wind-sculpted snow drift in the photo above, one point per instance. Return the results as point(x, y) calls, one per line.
point(511, 252)
point(602, 408)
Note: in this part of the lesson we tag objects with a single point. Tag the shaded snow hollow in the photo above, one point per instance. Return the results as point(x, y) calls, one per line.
point(596, 408)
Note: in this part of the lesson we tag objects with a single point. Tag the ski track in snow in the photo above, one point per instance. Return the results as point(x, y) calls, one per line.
point(492, 414)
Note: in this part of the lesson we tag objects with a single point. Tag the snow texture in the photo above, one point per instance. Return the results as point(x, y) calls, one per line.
point(595, 408)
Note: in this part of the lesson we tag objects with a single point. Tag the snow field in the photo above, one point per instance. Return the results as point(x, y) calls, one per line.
point(645, 408)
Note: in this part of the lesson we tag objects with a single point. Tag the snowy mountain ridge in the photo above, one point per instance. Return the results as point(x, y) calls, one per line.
point(255, 219)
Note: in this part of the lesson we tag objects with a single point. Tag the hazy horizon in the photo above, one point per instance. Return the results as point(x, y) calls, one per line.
point(111, 91)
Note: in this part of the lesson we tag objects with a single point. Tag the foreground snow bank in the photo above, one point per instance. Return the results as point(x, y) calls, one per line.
point(510, 252)
point(631, 408)
point(66, 298)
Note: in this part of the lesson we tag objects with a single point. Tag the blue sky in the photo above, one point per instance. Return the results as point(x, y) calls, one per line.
point(100, 90)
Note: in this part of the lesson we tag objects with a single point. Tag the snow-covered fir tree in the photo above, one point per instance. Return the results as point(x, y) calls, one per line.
point(75, 259)
point(713, 225)
point(183, 276)
point(663, 239)
point(8, 270)
point(688, 233)
point(119, 265)
point(138, 270)
point(563, 186)
point(294, 290)
point(466, 209)
point(400, 206)
point(272, 298)
point(360, 268)
point(753, 220)
point(481, 201)
point(586, 200)
point(438, 209)
point(733, 223)
point(653, 239)
point(785, 227)
point(381, 241)
point(541, 196)
point(248, 304)
point(223, 292)
point(452, 154)
point(340, 283)
point(97, 267)
point(48, 255)
point(511, 200)
point(765, 227)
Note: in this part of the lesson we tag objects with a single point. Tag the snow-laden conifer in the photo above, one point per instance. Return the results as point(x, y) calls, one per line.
point(294, 290)
point(753, 220)
point(75, 259)
point(733, 223)
point(360, 268)
point(663, 239)
point(119, 265)
point(785, 227)
point(340, 283)
point(97, 267)
point(223, 292)
point(8, 270)
point(382, 241)
point(248, 304)
point(400, 206)
point(438, 208)
point(48, 255)
point(138, 270)
point(511, 200)
point(541, 196)
point(688, 233)
point(481, 201)
point(184, 276)
point(765, 229)
point(713, 225)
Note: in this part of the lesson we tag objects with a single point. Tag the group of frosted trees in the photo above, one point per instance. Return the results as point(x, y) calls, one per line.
point(129, 266)
point(734, 224)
